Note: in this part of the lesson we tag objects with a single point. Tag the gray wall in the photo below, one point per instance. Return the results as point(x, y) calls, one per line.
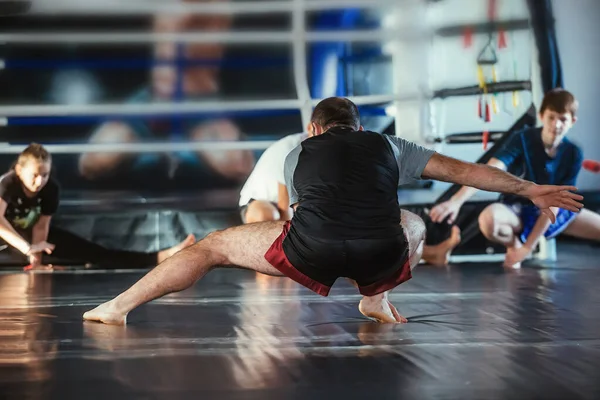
point(578, 30)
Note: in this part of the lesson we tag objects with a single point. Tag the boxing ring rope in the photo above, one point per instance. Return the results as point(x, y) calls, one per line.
point(183, 107)
point(116, 110)
point(144, 147)
point(193, 108)
point(298, 37)
point(251, 37)
point(75, 7)
point(390, 36)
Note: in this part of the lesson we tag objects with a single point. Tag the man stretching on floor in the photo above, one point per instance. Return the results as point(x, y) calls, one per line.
point(342, 183)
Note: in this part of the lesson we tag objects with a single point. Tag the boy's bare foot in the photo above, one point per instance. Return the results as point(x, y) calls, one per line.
point(511, 253)
point(440, 253)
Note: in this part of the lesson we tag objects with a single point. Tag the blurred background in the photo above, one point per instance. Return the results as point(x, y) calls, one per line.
point(156, 112)
point(78, 73)
point(167, 99)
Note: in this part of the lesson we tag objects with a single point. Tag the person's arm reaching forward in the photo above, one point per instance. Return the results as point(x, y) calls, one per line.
point(13, 238)
point(503, 159)
point(485, 177)
point(450, 208)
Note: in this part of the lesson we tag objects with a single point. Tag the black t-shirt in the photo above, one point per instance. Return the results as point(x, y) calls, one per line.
point(23, 212)
point(346, 183)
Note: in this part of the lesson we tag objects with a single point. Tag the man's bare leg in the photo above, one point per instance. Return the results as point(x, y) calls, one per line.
point(585, 226)
point(500, 224)
point(440, 253)
point(379, 307)
point(243, 246)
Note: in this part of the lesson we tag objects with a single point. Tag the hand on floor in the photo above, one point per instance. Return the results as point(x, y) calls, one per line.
point(35, 260)
point(41, 247)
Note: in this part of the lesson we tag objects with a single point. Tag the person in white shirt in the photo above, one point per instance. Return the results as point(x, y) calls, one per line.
point(264, 196)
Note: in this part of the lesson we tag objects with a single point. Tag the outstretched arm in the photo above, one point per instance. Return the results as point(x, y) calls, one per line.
point(13, 238)
point(466, 192)
point(39, 235)
point(485, 177)
point(479, 176)
point(450, 208)
point(41, 229)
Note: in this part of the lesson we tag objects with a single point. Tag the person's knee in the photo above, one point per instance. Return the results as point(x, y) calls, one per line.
point(210, 248)
point(415, 230)
point(414, 227)
point(261, 211)
point(95, 165)
point(486, 222)
point(495, 223)
point(420, 229)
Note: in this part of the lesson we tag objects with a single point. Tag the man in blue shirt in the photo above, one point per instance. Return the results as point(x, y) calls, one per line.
point(541, 155)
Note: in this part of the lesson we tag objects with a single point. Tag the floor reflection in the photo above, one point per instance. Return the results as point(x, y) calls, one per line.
point(28, 343)
point(474, 331)
point(266, 333)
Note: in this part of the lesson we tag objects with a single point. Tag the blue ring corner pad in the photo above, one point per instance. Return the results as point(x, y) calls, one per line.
point(321, 53)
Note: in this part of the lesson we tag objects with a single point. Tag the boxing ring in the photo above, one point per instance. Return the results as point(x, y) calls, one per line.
point(407, 106)
point(475, 330)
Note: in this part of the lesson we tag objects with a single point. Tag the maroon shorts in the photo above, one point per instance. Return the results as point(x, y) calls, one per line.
point(377, 265)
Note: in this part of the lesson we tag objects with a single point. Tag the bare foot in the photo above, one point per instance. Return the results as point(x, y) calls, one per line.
point(107, 314)
point(455, 238)
point(513, 258)
point(381, 310)
point(399, 318)
point(440, 254)
point(511, 254)
point(164, 254)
